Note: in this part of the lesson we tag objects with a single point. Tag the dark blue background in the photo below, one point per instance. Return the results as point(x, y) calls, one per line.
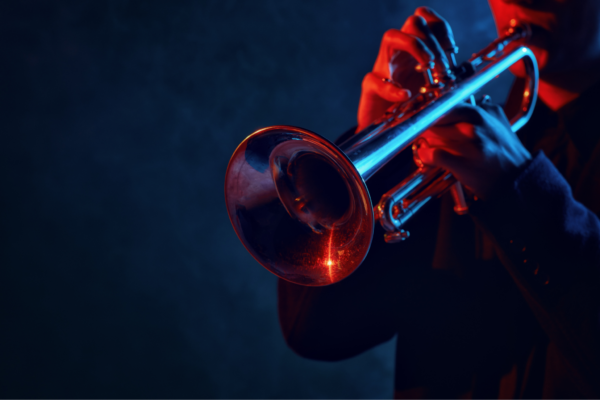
point(120, 274)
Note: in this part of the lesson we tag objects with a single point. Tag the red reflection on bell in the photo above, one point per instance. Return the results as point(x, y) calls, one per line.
point(299, 206)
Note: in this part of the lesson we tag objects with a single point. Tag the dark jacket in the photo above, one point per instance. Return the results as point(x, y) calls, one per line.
point(501, 303)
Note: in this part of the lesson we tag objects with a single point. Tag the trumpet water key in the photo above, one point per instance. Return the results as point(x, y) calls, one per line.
point(300, 204)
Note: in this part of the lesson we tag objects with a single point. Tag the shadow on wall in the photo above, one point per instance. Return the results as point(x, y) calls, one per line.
point(120, 273)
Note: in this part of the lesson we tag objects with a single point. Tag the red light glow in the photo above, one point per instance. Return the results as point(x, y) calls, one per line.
point(329, 261)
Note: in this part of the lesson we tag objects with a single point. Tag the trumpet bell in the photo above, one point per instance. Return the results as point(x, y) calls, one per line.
point(299, 205)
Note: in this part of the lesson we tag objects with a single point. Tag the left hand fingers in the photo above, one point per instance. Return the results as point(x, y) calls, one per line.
point(447, 157)
point(495, 111)
point(457, 126)
point(477, 145)
point(457, 145)
point(462, 132)
point(486, 119)
point(464, 113)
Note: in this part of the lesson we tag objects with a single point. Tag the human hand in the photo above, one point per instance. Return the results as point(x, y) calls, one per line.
point(476, 144)
point(423, 39)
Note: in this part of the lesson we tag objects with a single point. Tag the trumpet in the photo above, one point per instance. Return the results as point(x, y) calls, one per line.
point(299, 203)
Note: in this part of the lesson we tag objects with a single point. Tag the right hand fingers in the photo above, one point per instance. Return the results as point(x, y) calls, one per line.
point(439, 27)
point(377, 97)
point(415, 39)
point(418, 27)
point(425, 37)
point(394, 41)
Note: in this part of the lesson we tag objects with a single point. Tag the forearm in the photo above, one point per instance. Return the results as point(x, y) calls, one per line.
point(335, 322)
point(550, 243)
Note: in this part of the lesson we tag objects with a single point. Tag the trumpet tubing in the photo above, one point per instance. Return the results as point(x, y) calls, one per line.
point(299, 203)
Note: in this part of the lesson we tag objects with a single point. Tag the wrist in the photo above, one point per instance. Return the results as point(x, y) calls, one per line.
point(504, 181)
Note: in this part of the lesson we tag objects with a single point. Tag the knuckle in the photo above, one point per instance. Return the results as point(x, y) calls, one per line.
point(477, 118)
point(390, 35)
point(437, 156)
point(403, 41)
point(367, 81)
point(416, 42)
point(473, 114)
point(497, 108)
point(422, 10)
point(429, 14)
point(373, 83)
point(492, 108)
point(494, 111)
point(417, 21)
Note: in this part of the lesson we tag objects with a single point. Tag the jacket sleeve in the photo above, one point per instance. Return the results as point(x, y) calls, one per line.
point(550, 244)
point(342, 320)
point(339, 321)
point(336, 322)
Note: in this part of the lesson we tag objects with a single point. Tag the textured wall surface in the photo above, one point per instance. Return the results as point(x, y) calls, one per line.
point(120, 274)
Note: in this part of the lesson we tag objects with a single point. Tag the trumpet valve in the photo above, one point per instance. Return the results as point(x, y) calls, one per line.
point(434, 79)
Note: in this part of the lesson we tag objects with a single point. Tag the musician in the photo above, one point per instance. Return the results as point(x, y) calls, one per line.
point(503, 302)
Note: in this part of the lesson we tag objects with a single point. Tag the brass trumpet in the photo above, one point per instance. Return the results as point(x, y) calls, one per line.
point(300, 204)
